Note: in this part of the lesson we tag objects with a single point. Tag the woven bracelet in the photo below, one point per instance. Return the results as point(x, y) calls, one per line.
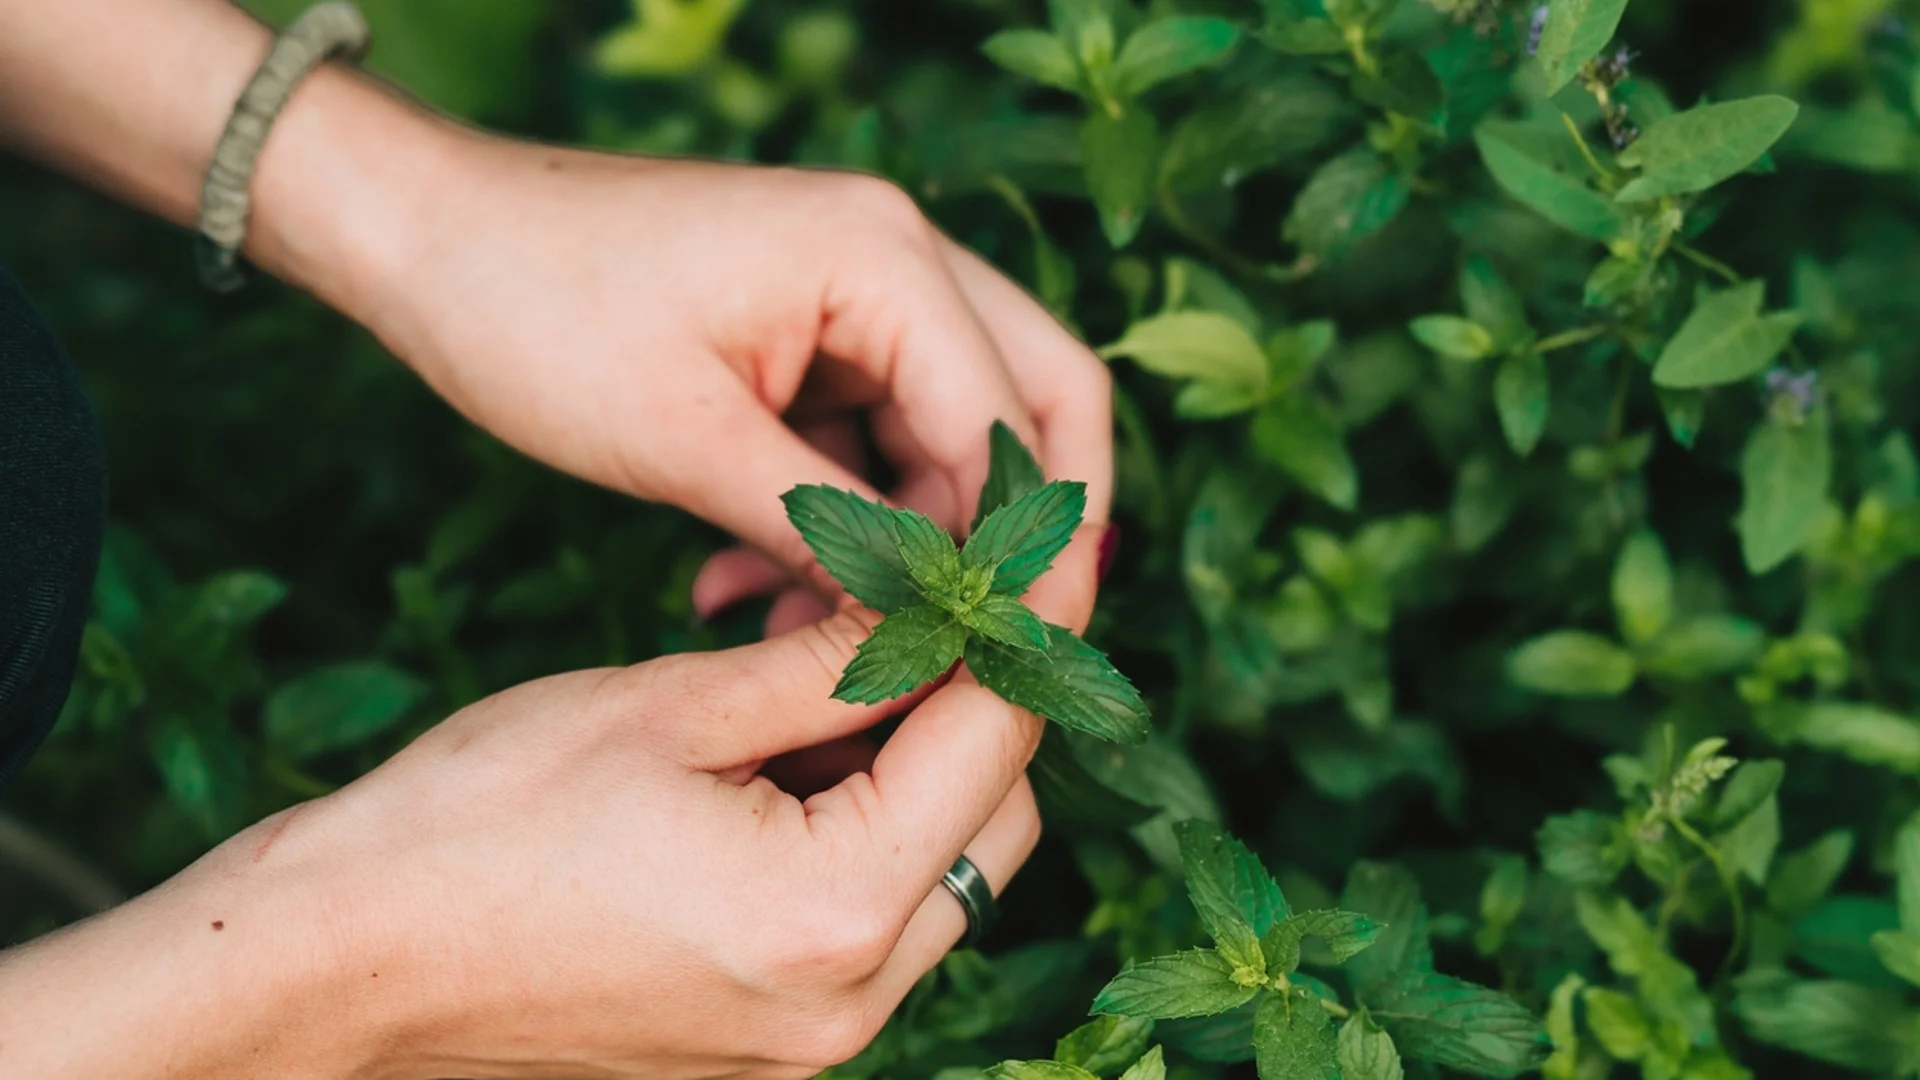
point(324, 31)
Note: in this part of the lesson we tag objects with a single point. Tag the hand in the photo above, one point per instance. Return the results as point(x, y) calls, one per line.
point(702, 334)
point(560, 881)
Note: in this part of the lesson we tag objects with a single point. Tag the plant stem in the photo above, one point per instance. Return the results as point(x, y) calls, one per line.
point(1706, 261)
point(1569, 337)
point(1728, 883)
point(1586, 151)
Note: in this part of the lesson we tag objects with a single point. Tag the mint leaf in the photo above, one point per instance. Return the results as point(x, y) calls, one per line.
point(1843, 1024)
point(1574, 31)
point(1906, 866)
point(1203, 345)
point(1011, 473)
point(1121, 155)
point(1018, 542)
point(1572, 663)
point(1151, 1066)
point(1642, 587)
point(1226, 881)
point(932, 561)
point(1038, 1070)
point(1522, 396)
point(1784, 475)
point(1106, 1044)
point(1725, 339)
point(1801, 878)
point(1452, 336)
point(1038, 55)
point(1696, 149)
point(1072, 684)
point(907, 650)
point(1295, 434)
point(1347, 934)
point(1899, 953)
point(1068, 792)
point(1366, 1052)
point(1583, 848)
point(337, 707)
point(1540, 168)
point(1168, 48)
point(1458, 1025)
point(1391, 896)
point(854, 541)
point(1198, 982)
point(1346, 200)
point(1293, 1038)
point(1005, 620)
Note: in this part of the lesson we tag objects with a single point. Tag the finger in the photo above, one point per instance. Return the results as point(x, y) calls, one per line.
point(742, 573)
point(745, 460)
point(940, 922)
point(1063, 384)
point(803, 773)
point(759, 701)
point(793, 609)
point(902, 318)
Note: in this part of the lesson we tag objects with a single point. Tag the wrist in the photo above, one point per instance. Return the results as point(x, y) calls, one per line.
point(341, 189)
point(247, 964)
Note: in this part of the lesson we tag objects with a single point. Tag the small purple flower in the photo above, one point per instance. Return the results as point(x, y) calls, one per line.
point(1623, 135)
point(1534, 27)
point(1799, 388)
point(1617, 67)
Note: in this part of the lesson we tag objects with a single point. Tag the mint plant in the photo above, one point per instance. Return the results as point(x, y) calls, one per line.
point(1300, 1028)
point(942, 602)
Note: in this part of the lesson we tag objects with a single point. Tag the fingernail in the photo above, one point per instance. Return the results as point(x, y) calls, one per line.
point(1109, 546)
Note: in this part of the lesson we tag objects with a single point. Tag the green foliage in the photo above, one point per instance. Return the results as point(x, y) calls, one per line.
point(1480, 417)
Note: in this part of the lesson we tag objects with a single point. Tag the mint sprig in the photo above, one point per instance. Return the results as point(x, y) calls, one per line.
point(945, 602)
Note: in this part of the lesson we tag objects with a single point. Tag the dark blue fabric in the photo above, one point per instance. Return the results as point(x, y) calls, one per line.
point(53, 482)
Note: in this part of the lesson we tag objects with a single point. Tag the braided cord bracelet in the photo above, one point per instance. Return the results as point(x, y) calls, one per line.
point(334, 28)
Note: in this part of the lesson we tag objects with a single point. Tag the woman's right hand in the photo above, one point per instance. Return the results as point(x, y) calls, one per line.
point(588, 875)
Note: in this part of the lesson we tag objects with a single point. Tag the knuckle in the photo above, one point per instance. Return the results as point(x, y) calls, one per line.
point(835, 1035)
point(832, 641)
point(834, 946)
point(882, 202)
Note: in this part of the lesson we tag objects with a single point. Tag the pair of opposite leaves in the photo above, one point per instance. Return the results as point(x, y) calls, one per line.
point(943, 602)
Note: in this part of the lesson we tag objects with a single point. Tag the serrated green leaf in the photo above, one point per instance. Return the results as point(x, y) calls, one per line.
point(1366, 1051)
point(1642, 587)
point(1294, 434)
point(1106, 1044)
point(1753, 783)
point(1087, 26)
point(1121, 156)
point(1069, 792)
point(1540, 168)
point(1694, 150)
point(1072, 684)
point(1151, 1066)
point(932, 560)
point(1521, 396)
point(1020, 540)
point(1855, 1027)
point(1749, 846)
point(1491, 302)
point(237, 598)
point(1784, 474)
point(1038, 55)
point(1347, 199)
point(1866, 733)
point(1038, 1070)
point(1011, 473)
point(1203, 345)
point(1574, 32)
point(1572, 663)
point(1211, 401)
point(1452, 336)
point(1293, 1037)
point(1583, 848)
point(1238, 945)
point(1724, 339)
point(1346, 933)
point(1391, 896)
point(1193, 983)
point(909, 649)
point(1225, 1037)
point(853, 539)
point(204, 770)
point(1502, 898)
point(1458, 1025)
point(336, 707)
point(1168, 48)
point(1618, 1023)
point(1005, 620)
point(1226, 881)
point(1906, 867)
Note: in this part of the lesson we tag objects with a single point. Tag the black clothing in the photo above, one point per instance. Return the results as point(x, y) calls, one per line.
point(52, 513)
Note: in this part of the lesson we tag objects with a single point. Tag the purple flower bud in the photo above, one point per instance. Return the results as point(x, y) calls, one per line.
point(1623, 135)
point(1534, 27)
point(1793, 393)
point(1616, 67)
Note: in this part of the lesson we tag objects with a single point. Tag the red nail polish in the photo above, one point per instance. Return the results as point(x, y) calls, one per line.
point(1109, 546)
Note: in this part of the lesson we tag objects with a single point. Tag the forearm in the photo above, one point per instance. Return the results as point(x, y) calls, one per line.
point(235, 969)
point(131, 96)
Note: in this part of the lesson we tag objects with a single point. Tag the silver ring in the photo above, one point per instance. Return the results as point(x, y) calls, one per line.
point(969, 886)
